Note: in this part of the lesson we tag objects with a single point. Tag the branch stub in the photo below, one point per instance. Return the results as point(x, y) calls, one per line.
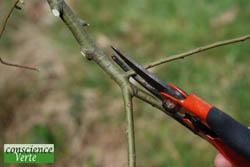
point(56, 12)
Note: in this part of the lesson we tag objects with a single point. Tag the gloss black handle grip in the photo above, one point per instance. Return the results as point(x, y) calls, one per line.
point(233, 133)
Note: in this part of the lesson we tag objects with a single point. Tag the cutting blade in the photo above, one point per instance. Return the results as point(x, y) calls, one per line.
point(149, 77)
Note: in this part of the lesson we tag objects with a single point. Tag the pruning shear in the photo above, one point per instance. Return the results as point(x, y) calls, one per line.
point(228, 136)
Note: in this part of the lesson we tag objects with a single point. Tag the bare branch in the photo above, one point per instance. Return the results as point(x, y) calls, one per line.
point(92, 52)
point(128, 105)
point(19, 66)
point(7, 17)
point(144, 96)
point(198, 50)
point(1, 33)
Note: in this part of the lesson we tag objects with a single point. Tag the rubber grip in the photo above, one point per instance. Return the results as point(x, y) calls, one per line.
point(234, 134)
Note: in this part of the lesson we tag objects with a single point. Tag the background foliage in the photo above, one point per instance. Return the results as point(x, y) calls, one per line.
point(72, 104)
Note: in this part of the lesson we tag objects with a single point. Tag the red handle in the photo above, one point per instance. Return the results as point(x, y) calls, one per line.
point(228, 153)
point(233, 139)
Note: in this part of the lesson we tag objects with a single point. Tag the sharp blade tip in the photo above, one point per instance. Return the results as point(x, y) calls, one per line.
point(114, 48)
point(117, 51)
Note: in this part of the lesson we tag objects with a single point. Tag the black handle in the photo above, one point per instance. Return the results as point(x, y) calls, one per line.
point(233, 133)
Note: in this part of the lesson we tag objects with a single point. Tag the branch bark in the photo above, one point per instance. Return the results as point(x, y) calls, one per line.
point(144, 96)
point(89, 49)
point(128, 105)
point(87, 45)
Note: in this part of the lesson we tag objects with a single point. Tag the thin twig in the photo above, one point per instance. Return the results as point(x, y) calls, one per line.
point(198, 50)
point(1, 33)
point(16, 65)
point(7, 17)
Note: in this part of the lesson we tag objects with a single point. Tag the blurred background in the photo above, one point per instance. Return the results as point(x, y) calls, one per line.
point(74, 105)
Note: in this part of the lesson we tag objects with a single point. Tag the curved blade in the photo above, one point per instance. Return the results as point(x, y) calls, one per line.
point(136, 77)
point(149, 77)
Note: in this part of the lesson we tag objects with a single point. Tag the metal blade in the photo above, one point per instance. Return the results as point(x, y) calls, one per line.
point(136, 77)
point(148, 77)
point(177, 116)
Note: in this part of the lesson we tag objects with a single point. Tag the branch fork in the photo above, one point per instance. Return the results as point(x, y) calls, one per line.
point(90, 51)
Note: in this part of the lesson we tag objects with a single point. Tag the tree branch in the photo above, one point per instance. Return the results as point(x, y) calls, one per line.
point(144, 96)
point(89, 49)
point(19, 66)
point(1, 33)
point(7, 17)
point(198, 50)
point(128, 105)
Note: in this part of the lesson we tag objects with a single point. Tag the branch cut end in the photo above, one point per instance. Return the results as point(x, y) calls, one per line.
point(83, 54)
point(56, 12)
point(88, 53)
